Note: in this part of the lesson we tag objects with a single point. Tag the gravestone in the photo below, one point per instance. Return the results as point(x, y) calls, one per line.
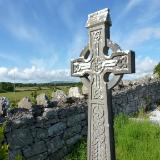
point(95, 67)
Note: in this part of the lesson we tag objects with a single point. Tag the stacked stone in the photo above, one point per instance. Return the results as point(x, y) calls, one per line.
point(49, 136)
point(136, 95)
point(47, 131)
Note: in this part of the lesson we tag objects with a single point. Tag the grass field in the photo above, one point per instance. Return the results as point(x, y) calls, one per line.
point(22, 92)
point(134, 141)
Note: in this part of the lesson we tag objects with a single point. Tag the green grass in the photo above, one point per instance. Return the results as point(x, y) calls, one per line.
point(79, 152)
point(18, 95)
point(134, 141)
point(3, 147)
point(22, 92)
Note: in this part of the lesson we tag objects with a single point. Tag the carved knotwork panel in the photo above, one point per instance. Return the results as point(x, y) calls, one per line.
point(96, 88)
point(117, 64)
point(96, 39)
point(98, 143)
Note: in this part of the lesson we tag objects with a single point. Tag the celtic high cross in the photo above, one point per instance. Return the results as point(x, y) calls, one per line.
point(94, 68)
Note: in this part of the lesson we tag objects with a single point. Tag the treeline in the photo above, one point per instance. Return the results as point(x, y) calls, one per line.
point(9, 87)
point(6, 87)
point(48, 84)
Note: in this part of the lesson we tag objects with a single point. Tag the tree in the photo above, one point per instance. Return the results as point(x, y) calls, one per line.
point(6, 87)
point(157, 69)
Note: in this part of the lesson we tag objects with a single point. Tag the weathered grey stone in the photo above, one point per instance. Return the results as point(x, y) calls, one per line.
point(56, 129)
point(19, 138)
point(42, 156)
point(25, 103)
point(42, 133)
point(76, 119)
point(43, 100)
point(69, 132)
point(75, 92)
point(73, 140)
point(60, 96)
point(50, 113)
point(59, 155)
point(84, 131)
point(55, 144)
point(4, 105)
point(35, 149)
point(23, 121)
point(85, 90)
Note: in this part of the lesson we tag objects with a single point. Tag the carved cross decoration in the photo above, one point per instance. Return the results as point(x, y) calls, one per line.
point(94, 68)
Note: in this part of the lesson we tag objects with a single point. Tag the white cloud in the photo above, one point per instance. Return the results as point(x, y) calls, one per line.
point(139, 36)
point(144, 67)
point(34, 74)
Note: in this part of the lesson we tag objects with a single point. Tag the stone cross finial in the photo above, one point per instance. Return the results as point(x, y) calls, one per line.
point(94, 68)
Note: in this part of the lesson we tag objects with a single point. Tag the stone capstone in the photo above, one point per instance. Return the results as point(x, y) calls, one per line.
point(59, 95)
point(4, 105)
point(75, 92)
point(85, 90)
point(42, 100)
point(25, 103)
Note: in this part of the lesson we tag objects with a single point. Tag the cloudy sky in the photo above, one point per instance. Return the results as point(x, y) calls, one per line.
point(38, 38)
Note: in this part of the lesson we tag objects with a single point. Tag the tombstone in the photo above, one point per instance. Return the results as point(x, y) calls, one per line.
point(25, 103)
point(94, 67)
point(75, 92)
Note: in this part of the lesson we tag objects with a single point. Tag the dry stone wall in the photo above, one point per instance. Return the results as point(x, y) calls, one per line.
point(50, 133)
point(49, 136)
point(131, 97)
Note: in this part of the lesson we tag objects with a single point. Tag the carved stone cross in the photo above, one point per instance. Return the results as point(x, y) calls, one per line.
point(94, 68)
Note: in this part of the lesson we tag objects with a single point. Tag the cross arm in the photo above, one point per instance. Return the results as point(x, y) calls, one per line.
point(80, 67)
point(120, 62)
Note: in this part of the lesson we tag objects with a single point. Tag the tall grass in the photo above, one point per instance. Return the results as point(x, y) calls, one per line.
point(134, 141)
point(3, 147)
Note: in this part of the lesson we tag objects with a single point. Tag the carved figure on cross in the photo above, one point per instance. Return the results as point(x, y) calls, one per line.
point(94, 68)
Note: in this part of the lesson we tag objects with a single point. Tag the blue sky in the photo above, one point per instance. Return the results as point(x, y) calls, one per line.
point(38, 38)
